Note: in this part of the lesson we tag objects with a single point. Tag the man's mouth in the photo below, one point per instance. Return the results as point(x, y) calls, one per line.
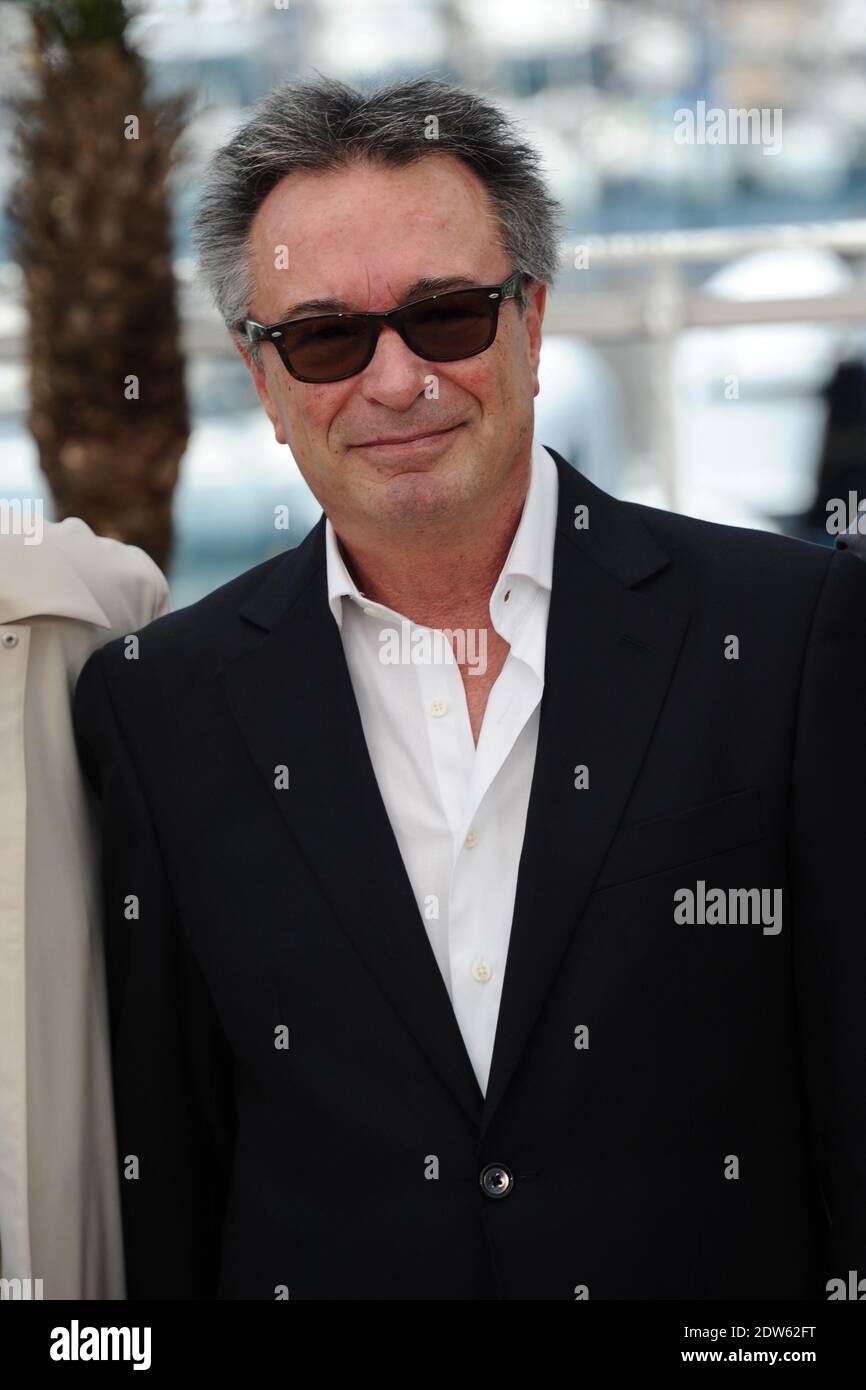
point(408, 443)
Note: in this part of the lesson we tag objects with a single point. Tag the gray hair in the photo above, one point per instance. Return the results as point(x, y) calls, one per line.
point(322, 125)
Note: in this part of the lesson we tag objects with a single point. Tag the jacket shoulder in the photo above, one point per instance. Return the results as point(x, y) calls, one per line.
point(736, 553)
point(195, 637)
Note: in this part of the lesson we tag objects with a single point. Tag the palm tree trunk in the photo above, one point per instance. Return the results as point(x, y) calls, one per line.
point(108, 406)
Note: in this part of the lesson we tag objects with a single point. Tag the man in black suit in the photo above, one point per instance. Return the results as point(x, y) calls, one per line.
point(535, 976)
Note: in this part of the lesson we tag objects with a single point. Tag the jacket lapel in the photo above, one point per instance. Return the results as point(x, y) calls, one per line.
point(291, 695)
point(610, 657)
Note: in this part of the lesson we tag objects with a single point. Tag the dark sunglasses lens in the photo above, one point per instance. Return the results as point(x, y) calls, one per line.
point(326, 348)
point(451, 326)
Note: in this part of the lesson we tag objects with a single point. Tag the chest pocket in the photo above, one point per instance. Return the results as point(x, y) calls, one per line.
point(699, 832)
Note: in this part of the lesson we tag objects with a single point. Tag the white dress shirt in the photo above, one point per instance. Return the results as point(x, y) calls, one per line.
point(458, 811)
point(59, 1193)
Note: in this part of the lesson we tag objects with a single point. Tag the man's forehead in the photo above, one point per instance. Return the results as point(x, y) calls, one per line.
point(348, 211)
point(374, 236)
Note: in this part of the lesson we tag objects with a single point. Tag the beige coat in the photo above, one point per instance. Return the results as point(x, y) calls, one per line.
point(59, 1200)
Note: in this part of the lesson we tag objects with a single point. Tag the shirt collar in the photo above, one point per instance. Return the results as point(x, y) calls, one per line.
point(528, 568)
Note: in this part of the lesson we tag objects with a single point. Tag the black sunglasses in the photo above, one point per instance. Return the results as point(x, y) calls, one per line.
point(441, 328)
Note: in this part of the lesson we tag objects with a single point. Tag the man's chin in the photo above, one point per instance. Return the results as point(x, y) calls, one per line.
point(418, 492)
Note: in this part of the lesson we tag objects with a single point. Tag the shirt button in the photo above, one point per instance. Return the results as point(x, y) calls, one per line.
point(9, 639)
point(438, 708)
point(496, 1180)
point(371, 612)
point(471, 839)
point(481, 971)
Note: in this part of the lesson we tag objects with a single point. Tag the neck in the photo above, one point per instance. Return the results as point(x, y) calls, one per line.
point(439, 580)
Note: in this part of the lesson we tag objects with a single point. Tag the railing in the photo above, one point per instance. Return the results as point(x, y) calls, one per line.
point(663, 307)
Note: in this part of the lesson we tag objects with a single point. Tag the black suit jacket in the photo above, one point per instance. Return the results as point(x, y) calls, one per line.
point(708, 1142)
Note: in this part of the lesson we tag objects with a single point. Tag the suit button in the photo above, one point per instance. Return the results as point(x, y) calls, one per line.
point(496, 1180)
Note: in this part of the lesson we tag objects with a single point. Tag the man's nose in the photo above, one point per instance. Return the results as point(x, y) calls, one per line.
point(396, 376)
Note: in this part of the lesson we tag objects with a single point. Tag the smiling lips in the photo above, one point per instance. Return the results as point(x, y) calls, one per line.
point(405, 441)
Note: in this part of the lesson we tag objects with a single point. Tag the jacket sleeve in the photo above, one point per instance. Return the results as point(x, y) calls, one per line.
point(827, 856)
point(173, 1070)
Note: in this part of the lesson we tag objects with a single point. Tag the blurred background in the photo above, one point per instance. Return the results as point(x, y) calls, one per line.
point(706, 339)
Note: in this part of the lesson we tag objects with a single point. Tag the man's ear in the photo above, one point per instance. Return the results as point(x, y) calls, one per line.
point(261, 384)
point(533, 315)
